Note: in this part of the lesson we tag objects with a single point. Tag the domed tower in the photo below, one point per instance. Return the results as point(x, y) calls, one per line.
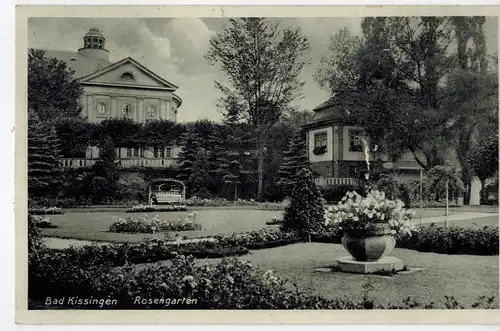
point(93, 45)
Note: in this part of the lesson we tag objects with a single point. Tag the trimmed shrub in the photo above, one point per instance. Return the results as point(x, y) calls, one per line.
point(305, 213)
point(453, 240)
point(156, 208)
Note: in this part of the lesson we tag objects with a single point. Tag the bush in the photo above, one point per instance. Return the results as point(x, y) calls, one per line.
point(144, 225)
point(274, 221)
point(270, 206)
point(453, 240)
point(305, 213)
point(156, 208)
point(262, 238)
point(35, 240)
point(45, 211)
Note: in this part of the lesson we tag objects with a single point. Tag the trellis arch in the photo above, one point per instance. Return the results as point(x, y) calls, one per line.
point(166, 190)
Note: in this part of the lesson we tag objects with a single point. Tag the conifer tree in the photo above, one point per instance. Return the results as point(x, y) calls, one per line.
point(44, 168)
point(233, 172)
point(218, 156)
point(199, 179)
point(187, 155)
point(305, 213)
point(294, 159)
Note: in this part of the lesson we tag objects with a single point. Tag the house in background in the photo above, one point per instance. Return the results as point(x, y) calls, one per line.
point(336, 149)
point(122, 89)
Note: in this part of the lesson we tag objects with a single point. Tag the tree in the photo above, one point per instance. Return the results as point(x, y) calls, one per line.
point(101, 184)
point(471, 94)
point(305, 213)
point(199, 179)
point(445, 178)
point(484, 161)
point(294, 159)
point(44, 167)
point(160, 133)
point(123, 133)
point(75, 135)
point(232, 172)
point(391, 85)
point(395, 187)
point(187, 155)
point(262, 63)
point(52, 91)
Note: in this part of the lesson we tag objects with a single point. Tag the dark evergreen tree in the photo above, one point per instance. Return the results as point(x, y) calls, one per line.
point(294, 159)
point(199, 179)
point(101, 185)
point(44, 167)
point(217, 157)
point(233, 172)
point(305, 213)
point(187, 156)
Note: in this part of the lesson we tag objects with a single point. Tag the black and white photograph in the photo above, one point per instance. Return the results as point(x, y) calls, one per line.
point(262, 163)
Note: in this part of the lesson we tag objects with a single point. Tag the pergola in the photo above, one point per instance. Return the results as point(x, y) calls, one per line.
point(166, 190)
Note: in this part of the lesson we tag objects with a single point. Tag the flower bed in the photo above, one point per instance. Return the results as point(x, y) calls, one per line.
point(156, 208)
point(41, 222)
point(45, 211)
point(274, 221)
point(271, 206)
point(262, 238)
point(155, 224)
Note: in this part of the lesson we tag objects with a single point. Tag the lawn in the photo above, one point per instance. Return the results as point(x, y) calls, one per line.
point(94, 225)
point(464, 277)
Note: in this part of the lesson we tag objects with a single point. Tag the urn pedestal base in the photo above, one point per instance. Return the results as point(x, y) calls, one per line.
point(384, 264)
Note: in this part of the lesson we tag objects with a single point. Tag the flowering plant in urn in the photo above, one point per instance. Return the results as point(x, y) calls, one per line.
point(369, 223)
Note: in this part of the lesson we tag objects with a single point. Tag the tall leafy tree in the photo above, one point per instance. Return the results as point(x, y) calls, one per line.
point(471, 94)
point(160, 133)
point(75, 135)
point(294, 159)
point(262, 63)
point(484, 160)
point(52, 91)
point(123, 132)
point(44, 168)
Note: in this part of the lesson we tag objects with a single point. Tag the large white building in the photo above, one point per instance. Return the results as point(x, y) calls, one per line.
point(122, 89)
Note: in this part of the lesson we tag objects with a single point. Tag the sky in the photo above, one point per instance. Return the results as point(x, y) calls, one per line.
point(174, 48)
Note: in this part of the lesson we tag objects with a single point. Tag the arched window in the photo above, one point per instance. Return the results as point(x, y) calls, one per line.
point(127, 76)
point(101, 108)
point(126, 109)
point(151, 111)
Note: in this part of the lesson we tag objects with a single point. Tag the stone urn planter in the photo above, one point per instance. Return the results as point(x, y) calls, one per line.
point(370, 247)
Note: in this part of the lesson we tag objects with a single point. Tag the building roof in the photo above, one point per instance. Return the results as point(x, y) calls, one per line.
point(328, 112)
point(81, 64)
point(94, 32)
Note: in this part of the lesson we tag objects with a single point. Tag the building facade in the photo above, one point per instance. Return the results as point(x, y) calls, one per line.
point(337, 150)
point(122, 89)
